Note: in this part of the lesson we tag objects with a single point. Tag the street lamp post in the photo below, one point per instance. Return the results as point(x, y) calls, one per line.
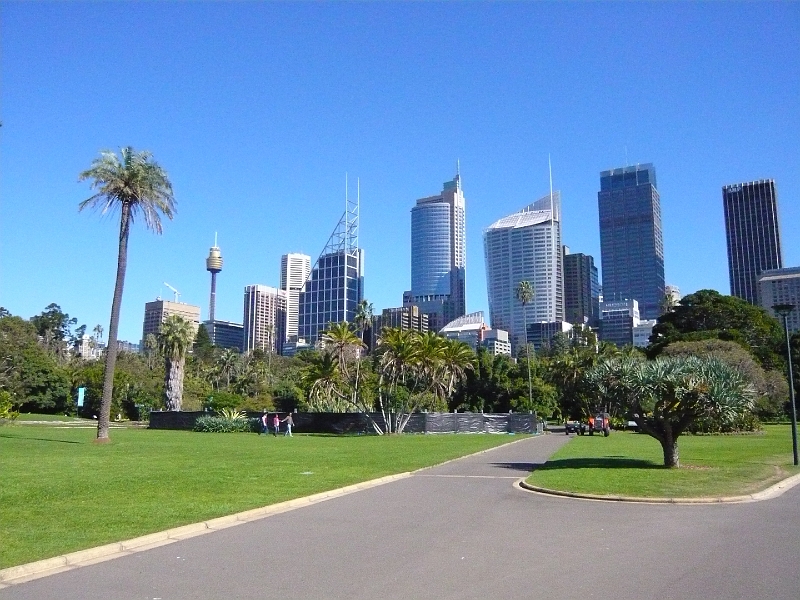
point(783, 310)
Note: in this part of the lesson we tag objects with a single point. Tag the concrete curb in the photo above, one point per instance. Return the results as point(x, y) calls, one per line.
point(771, 492)
point(82, 558)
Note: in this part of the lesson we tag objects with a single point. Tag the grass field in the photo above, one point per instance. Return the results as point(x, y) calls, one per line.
point(59, 492)
point(631, 464)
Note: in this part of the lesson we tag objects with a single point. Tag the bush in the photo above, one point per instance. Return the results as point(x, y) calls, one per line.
point(239, 424)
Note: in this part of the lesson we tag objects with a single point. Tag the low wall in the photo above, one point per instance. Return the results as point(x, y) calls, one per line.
point(340, 423)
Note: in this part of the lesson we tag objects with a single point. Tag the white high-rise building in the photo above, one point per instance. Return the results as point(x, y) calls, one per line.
point(295, 270)
point(525, 246)
point(156, 312)
point(264, 318)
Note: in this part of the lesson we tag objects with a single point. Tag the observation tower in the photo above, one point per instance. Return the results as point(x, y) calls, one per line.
point(213, 266)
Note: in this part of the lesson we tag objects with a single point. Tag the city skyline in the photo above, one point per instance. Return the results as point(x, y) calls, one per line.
point(257, 111)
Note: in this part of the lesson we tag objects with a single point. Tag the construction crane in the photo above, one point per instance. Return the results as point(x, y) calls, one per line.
point(176, 292)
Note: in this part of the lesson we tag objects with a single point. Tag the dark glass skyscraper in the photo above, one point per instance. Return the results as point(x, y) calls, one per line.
point(751, 228)
point(581, 290)
point(631, 243)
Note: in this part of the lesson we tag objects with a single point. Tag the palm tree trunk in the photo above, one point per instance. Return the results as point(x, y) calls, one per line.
point(111, 349)
point(527, 356)
point(173, 384)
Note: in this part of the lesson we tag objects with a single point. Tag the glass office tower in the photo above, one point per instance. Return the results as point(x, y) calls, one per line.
point(581, 290)
point(751, 229)
point(438, 255)
point(631, 242)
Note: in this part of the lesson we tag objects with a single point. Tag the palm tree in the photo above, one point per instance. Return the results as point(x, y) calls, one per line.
point(175, 337)
point(340, 341)
point(363, 318)
point(457, 359)
point(98, 331)
point(227, 363)
point(524, 293)
point(150, 349)
point(136, 185)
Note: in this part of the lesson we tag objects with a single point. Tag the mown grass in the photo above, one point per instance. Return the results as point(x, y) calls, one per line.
point(60, 492)
point(38, 417)
point(631, 464)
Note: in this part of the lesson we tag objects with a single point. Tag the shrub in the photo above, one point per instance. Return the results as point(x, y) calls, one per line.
point(227, 425)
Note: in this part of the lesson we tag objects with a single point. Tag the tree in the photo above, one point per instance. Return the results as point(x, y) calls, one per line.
point(667, 395)
point(203, 348)
point(707, 314)
point(54, 328)
point(175, 337)
point(136, 185)
point(524, 293)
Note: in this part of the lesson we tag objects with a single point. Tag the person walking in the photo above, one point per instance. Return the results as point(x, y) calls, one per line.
point(289, 422)
point(264, 424)
point(276, 423)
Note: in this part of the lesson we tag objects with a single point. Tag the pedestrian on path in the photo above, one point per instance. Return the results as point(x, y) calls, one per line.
point(264, 424)
point(276, 423)
point(289, 423)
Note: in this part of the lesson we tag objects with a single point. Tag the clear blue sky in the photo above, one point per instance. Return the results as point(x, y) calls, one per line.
point(257, 110)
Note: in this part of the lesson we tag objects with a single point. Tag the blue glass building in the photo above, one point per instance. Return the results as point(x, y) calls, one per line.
point(438, 255)
point(631, 242)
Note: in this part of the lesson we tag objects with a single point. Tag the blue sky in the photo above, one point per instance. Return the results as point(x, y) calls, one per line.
point(257, 111)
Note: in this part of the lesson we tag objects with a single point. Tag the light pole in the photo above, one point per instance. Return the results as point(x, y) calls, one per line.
point(783, 310)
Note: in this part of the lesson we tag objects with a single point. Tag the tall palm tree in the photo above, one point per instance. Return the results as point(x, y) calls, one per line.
point(363, 318)
point(98, 331)
point(340, 341)
point(175, 337)
point(136, 185)
point(457, 359)
point(227, 363)
point(524, 293)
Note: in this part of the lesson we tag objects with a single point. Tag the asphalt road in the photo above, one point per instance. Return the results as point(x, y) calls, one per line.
point(461, 530)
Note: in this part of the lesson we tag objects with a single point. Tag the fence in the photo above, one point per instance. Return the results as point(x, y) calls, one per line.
point(359, 423)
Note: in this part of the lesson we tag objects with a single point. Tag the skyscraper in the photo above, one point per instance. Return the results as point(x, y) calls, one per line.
point(581, 290)
point(525, 246)
point(631, 242)
point(751, 229)
point(336, 284)
point(295, 269)
point(781, 286)
point(438, 255)
point(264, 318)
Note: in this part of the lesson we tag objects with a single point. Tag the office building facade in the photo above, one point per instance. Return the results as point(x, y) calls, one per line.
point(264, 318)
point(631, 241)
point(295, 271)
point(581, 290)
point(226, 334)
point(336, 283)
point(438, 255)
point(752, 233)
point(618, 318)
point(781, 286)
point(525, 246)
point(156, 312)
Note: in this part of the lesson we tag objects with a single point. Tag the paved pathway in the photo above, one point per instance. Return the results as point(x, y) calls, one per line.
point(461, 530)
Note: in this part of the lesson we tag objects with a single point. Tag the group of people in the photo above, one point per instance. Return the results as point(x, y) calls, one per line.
point(276, 424)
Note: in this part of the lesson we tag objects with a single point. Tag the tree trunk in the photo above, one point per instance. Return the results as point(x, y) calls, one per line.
point(111, 349)
point(173, 383)
point(670, 447)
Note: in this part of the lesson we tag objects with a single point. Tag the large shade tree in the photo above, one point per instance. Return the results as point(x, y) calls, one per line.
point(665, 396)
point(138, 187)
point(175, 337)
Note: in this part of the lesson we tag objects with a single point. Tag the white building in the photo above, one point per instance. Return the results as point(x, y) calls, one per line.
point(295, 270)
point(468, 329)
point(496, 342)
point(642, 332)
point(264, 318)
point(525, 246)
point(781, 286)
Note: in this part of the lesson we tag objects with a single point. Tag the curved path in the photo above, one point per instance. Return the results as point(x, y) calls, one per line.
point(462, 530)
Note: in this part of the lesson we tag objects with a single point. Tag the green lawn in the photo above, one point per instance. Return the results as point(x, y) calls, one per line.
point(59, 492)
point(631, 464)
point(36, 417)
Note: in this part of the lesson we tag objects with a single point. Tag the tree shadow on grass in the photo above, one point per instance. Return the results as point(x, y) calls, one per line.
point(17, 437)
point(605, 462)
